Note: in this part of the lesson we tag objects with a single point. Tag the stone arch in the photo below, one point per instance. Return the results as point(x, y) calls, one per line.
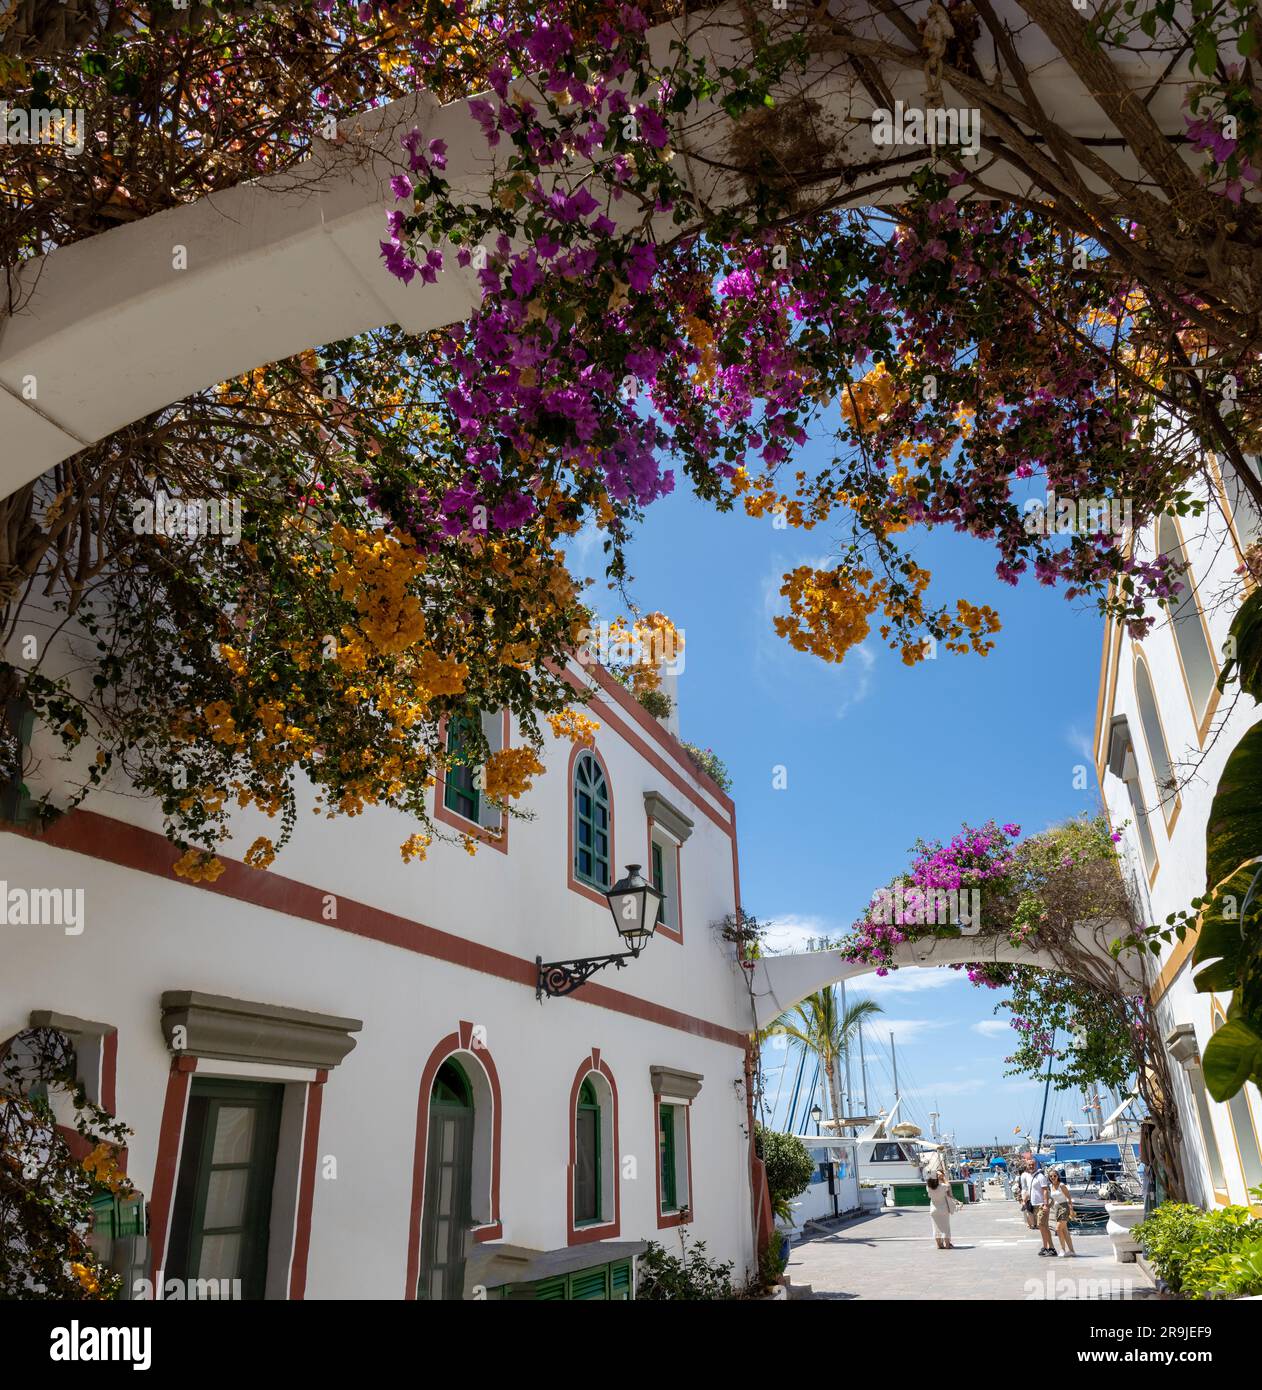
point(296, 257)
point(779, 982)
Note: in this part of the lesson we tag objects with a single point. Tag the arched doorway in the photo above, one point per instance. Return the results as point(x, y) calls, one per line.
point(448, 1216)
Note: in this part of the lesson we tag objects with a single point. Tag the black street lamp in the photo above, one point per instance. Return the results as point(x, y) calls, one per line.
point(636, 907)
point(817, 1115)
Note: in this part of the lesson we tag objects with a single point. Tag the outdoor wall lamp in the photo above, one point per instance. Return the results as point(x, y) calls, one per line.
point(637, 908)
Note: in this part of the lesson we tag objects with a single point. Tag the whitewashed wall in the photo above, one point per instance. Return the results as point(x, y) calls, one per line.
point(145, 934)
point(1212, 544)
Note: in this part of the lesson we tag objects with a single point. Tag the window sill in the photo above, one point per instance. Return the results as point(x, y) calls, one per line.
point(588, 891)
point(496, 839)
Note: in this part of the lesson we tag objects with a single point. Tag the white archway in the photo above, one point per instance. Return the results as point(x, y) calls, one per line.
point(779, 982)
point(108, 330)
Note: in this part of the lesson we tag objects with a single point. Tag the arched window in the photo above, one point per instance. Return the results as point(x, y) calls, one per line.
point(591, 822)
point(587, 1174)
point(1154, 736)
point(1242, 1126)
point(451, 1086)
point(1190, 637)
point(1244, 510)
point(448, 1184)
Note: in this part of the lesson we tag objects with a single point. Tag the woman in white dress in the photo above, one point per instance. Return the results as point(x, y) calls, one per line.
point(940, 1207)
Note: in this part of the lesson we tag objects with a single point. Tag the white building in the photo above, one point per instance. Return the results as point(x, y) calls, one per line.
point(1163, 734)
point(338, 1076)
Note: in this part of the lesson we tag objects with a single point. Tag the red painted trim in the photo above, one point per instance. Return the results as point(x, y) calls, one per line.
point(675, 934)
point(167, 1164)
point(764, 1220)
point(81, 1146)
point(684, 1215)
point(467, 827)
point(306, 1186)
point(572, 881)
point(459, 1041)
point(604, 1230)
point(130, 847)
point(109, 1071)
point(632, 739)
point(664, 739)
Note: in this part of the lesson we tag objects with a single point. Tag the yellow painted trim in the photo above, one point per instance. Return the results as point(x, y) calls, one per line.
point(1139, 659)
point(1108, 696)
point(1200, 722)
point(1216, 1011)
point(1175, 962)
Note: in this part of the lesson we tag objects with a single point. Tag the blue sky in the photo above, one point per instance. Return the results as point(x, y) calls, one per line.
point(876, 754)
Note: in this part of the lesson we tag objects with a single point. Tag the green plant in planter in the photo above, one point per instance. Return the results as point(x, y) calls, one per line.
point(1184, 1245)
point(772, 1264)
point(790, 1168)
point(656, 702)
point(709, 762)
point(1235, 1275)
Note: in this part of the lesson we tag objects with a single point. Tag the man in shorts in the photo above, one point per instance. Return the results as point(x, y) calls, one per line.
point(1040, 1201)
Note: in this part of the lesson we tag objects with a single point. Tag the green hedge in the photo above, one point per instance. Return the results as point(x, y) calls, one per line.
point(1204, 1254)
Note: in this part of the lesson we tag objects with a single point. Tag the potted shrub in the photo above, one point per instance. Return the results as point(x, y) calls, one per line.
point(1203, 1254)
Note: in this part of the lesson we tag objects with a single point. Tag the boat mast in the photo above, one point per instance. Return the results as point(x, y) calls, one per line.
point(863, 1068)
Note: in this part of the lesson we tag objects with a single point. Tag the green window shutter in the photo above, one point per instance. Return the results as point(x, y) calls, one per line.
point(460, 789)
point(591, 822)
point(620, 1280)
point(545, 1291)
point(223, 1195)
point(587, 1182)
point(658, 872)
point(666, 1152)
point(588, 1284)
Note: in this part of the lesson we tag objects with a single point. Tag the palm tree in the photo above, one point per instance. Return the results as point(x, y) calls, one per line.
point(820, 1025)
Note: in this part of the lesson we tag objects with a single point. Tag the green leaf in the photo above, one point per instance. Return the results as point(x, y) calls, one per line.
point(1246, 634)
point(1207, 52)
point(1232, 1056)
point(1233, 834)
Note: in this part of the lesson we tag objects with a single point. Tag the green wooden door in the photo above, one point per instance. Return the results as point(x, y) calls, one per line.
point(448, 1213)
point(223, 1198)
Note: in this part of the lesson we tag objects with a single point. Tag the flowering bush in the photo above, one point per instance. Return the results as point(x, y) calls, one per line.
point(46, 1193)
point(708, 761)
point(1075, 1020)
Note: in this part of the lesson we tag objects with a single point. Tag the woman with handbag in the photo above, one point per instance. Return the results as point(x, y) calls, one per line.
point(1062, 1210)
point(940, 1208)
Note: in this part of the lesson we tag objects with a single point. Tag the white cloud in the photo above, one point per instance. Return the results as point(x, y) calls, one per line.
point(992, 1027)
point(581, 547)
point(949, 1088)
point(790, 931)
point(1080, 741)
point(912, 980)
point(905, 1030)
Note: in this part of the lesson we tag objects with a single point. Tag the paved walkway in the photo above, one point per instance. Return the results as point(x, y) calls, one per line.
point(892, 1255)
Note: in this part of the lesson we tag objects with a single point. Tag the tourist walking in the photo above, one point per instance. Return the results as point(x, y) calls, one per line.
point(1062, 1210)
point(1024, 1182)
point(1040, 1202)
point(940, 1209)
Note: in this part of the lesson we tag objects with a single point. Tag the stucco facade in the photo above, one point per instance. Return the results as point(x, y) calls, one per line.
point(1163, 735)
point(394, 968)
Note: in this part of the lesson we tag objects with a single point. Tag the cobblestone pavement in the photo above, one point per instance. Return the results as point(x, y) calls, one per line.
point(892, 1255)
